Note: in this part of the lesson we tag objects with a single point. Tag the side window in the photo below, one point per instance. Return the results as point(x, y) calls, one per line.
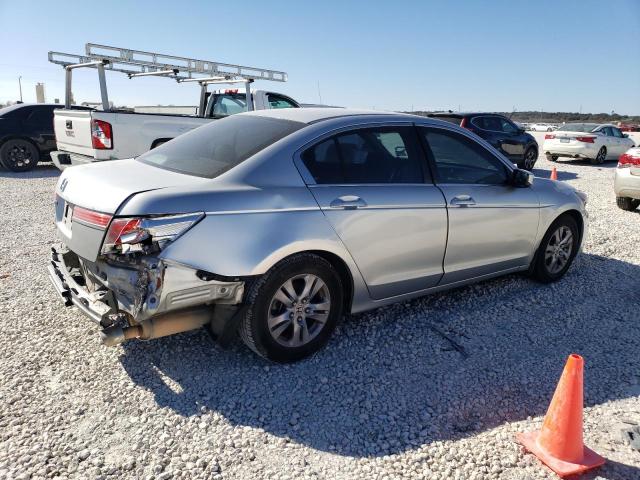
point(460, 160)
point(506, 126)
point(617, 133)
point(372, 155)
point(323, 162)
point(479, 122)
point(384, 155)
point(41, 117)
point(276, 101)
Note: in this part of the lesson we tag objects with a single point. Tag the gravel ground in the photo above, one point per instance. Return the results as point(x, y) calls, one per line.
point(388, 398)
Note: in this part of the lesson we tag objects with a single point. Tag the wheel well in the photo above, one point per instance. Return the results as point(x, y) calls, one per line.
point(16, 137)
point(343, 271)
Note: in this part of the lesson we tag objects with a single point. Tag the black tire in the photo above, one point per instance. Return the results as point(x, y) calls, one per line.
point(628, 204)
point(19, 155)
point(529, 159)
point(549, 129)
point(253, 328)
point(600, 157)
point(552, 158)
point(539, 268)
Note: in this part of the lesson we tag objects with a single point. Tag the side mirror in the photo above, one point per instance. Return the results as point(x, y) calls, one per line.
point(625, 135)
point(521, 178)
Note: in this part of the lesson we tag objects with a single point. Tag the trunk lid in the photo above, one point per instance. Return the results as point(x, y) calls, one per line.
point(73, 131)
point(102, 188)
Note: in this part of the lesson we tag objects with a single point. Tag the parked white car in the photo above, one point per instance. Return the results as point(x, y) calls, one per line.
point(592, 141)
point(627, 180)
point(542, 127)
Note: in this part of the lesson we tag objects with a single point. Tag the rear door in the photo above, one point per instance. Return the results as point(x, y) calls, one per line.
point(39, 123)
point(492, 225)
point(73, 131)
point(374, 188)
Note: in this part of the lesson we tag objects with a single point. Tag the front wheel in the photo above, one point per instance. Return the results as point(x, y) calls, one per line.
point(19, 155)
point(557, 250)
point(293, 309)
point(600, 157)
point(628, 204)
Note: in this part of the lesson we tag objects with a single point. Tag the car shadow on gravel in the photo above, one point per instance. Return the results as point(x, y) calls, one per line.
point(42, 170)
point(388, 382)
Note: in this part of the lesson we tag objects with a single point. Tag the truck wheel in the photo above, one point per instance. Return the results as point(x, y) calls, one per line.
point(557, 250)
point(628, 204)
point(293, 309)
point(19, 155)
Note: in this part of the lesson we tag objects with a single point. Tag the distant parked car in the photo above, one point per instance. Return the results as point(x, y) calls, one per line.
point(628, 127)
point(591, 141)
point(627, 180)
point(542, 127)
point(277, 222)
point(26, 134)
point(517, 145)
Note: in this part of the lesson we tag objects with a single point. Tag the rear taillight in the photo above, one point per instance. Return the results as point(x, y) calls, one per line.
point(101, 135)
point(463, 123)
point(91, 218)
point(626, 161)
point(127, 235)
point(586, 139)
point(549, 136)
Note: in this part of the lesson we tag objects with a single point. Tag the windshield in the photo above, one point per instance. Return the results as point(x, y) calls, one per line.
point(214, 148)
point(6, 111)
point(578, 127)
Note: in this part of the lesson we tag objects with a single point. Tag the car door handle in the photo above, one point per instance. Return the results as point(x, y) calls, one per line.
point(462, 201)
point(348, 202)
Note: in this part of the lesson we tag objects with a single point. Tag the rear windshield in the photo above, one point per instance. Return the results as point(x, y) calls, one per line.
point(13, 110)
point(214, 148)
point(578, 127)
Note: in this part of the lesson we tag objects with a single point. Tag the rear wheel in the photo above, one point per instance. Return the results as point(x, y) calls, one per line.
point(19, 155)
point(293, 309)
point(600, 157)
point(552, 158)
point(557, 250)
point(626, 203)
point(530, 157)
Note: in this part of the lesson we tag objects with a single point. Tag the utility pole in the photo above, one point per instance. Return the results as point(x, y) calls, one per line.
point(319, 95)
point(20, 84)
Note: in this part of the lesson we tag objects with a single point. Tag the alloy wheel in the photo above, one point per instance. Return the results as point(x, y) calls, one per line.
point(19, 156)
point(530, 159)
point(602, 155)
point(299, 310)
point(559, 249)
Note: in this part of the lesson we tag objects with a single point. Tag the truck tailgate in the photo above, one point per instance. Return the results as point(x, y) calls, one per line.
point(73, 131)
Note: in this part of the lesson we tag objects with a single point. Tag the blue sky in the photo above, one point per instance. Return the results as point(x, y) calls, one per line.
point(473, 55)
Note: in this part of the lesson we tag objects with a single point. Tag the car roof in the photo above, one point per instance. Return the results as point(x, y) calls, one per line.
point(313, 115)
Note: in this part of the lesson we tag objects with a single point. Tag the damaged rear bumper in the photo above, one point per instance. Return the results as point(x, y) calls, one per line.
point(145, 299)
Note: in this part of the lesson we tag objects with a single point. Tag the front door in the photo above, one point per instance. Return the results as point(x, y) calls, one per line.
point(374, 187)
point(492, 225)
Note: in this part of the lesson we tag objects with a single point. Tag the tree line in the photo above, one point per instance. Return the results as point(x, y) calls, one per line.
point(559, 117)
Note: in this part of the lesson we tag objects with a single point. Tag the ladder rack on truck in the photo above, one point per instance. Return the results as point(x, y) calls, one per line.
point(138, 63)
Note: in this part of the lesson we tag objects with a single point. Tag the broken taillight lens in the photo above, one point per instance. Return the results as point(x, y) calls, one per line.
point(132, 234)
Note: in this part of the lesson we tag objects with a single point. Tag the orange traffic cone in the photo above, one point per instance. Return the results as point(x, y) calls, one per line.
point(554, 174)
point(559, 443)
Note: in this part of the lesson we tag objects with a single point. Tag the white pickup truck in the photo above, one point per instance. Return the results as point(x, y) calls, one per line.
point(112, 134)
point(88, 136)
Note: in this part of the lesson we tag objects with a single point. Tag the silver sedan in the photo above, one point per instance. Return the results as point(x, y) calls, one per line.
point(274, 224)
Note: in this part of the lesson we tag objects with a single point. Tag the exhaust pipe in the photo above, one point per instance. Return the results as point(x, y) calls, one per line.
point(162, 326)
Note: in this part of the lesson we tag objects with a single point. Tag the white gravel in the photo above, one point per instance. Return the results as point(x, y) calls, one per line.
point(388, 398)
